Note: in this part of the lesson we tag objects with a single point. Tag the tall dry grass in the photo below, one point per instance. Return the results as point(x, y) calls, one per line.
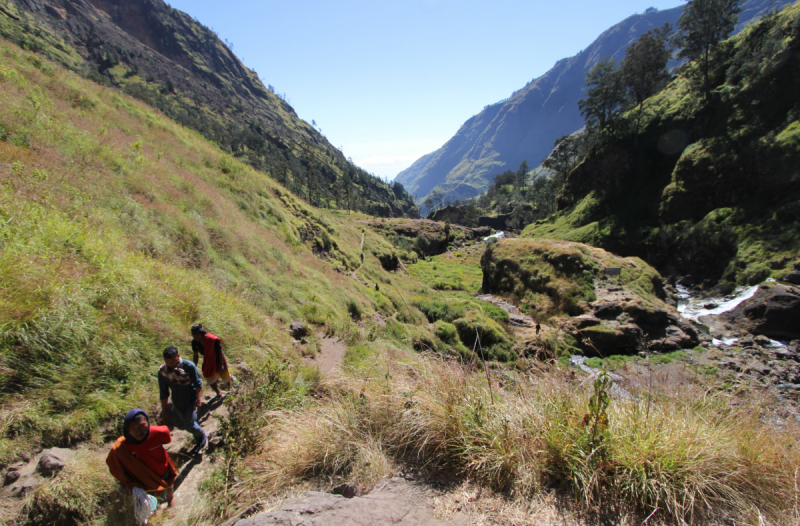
point(689, 457)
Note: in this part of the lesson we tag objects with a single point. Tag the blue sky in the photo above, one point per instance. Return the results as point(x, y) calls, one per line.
point(392, 81)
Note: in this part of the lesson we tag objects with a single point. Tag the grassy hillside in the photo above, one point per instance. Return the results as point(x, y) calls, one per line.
point(120, 228)
point(167, 59)
point(707, 188)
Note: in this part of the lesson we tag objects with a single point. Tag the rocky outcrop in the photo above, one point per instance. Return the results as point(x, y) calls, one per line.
point(396, 501)
point(751, 361)
point(453, 213)
point(24, 477)
point(298, 330)
point(620, 312)
point(53, 460)
point(794, 275)
point(626, 326)
point(774, 311)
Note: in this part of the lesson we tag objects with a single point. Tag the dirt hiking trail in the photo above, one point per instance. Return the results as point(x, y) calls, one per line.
point(192, 471)
point(331, 355)
point(401, 499)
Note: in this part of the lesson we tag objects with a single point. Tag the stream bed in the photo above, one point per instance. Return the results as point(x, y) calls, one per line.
point(693, 308)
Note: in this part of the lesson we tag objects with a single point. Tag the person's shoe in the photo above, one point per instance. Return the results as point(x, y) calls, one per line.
point(196, 451)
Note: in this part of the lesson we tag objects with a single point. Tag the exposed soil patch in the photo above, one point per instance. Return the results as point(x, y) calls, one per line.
point(192, 470)
point(331, 355)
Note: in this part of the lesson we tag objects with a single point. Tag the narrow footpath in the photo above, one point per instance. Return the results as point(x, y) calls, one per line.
point(192, 471)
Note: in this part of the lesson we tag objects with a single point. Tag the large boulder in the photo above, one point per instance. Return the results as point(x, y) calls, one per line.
point(609, 339)
point(619, 312)
point(673, 340)
point(773, 311)
point(394, 501)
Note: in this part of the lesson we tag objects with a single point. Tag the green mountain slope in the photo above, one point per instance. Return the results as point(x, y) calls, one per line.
point(711, 189)
point(164, 57)
point(525, 126)
point(119, 228)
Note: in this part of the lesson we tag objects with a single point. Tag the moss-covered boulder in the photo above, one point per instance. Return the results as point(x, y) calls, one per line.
point(495, 342)
point(545, 277)
point(607, 304)
point(608, 339)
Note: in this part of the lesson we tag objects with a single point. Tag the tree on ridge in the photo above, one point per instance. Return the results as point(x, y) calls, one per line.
point(701, 27)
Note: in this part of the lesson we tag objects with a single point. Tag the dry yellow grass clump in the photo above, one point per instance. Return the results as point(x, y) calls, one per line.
point(688, 457)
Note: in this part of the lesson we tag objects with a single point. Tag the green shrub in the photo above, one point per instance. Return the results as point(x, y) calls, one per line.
point(446, 331)
point(354, 309)
point(755, 273)
point(442, 284)
point(409, 257)
point(436, 310)
point(496, 313)
point(494, 341)
point(266, 388)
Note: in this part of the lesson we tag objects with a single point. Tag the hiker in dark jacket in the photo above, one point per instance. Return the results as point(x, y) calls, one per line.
point(215, 366)
point(180, 377)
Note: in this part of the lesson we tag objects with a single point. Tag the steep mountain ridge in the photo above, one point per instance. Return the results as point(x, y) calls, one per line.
point(525, 126)
point(164, 57)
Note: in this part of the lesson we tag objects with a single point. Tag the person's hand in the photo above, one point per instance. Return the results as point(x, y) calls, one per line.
point(165, 419)
point(199, 402)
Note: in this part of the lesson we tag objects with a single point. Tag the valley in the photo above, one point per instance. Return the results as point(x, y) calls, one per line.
point(630, 357)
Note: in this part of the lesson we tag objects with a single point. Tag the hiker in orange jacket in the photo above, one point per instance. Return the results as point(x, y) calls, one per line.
point(138, 458)
point(215, 366)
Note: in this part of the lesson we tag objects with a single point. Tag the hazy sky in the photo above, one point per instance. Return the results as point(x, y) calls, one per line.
point(392, 81)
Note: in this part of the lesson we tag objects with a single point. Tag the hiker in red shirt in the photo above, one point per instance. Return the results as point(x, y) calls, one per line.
point(138, 459)
point(215, 366)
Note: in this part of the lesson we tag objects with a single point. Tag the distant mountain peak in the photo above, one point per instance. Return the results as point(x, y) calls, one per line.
point(525, 126)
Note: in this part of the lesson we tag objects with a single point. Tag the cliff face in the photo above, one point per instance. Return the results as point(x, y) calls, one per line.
point(166, 58)
point(525, 126)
